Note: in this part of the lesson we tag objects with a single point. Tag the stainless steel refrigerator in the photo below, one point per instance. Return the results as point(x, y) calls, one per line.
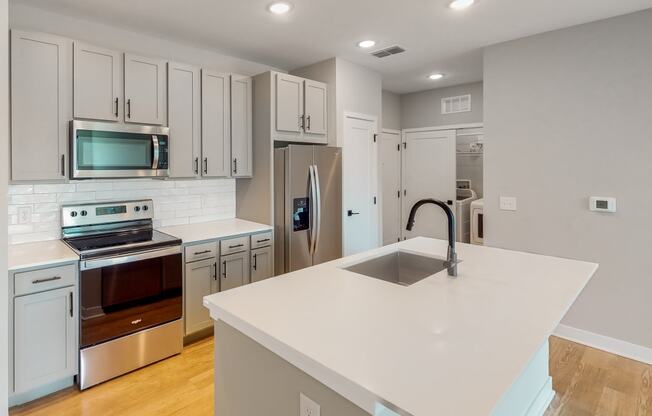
point(307, 206)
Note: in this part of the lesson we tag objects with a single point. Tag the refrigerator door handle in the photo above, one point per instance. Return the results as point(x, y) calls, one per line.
point(315, 175)
point(313, 200)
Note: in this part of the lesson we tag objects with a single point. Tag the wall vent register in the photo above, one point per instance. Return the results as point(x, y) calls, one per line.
point(457, 104)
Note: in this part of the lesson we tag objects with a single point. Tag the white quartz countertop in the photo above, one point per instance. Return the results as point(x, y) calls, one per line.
point(192, 233)
point(439, 347)
point(42, 253)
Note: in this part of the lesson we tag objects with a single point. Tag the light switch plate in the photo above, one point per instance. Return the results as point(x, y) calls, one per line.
point(24, 214)
point(307, 407)
point(508, 203)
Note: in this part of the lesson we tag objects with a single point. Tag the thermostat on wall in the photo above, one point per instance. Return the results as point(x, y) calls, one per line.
point(602, 204)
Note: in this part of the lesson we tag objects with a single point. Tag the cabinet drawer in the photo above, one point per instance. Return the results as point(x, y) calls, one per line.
point(44, 279)
point(261, 240)
point(234, 245)
point(201, 252)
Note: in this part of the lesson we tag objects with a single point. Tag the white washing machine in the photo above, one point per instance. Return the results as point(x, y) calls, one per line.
point(477, 222)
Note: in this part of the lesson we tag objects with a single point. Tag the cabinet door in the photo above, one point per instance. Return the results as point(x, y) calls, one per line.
point(234, 270)
point(97, 83)
point(261, 264)
point(41, 105)
point(216, 123)
point(184, 103)
point(201, 280)
point(315, 106)
point(45, 338)
point(145, 93)
point(241, 127)
point(289, 103)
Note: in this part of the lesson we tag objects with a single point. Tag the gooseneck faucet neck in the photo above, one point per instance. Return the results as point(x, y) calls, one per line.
point(451, 256)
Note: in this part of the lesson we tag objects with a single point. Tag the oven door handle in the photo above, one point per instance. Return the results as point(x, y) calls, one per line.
point(157, 151)
point(115, 260)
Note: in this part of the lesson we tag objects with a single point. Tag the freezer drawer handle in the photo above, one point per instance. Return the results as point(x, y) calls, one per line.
point(350, 213)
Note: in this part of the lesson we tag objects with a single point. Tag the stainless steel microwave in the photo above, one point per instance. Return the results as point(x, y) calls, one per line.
point(108, 150)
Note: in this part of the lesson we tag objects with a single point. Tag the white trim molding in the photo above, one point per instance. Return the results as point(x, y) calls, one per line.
point(605, 343)
point(446, 127)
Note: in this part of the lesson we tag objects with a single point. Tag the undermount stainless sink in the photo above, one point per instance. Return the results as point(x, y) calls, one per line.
point(399, 267)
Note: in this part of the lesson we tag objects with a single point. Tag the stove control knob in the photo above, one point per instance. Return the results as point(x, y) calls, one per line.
point(73, 214)
point(145, 207)
point(136, 208)
point(84, 213)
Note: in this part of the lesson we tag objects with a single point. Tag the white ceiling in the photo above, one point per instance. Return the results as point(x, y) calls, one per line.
point(437, 38)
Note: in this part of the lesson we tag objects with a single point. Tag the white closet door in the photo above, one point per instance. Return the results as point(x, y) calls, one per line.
point(429, 171)
point(390, 185)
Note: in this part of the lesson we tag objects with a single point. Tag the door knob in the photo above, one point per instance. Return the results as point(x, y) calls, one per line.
point(350, 213)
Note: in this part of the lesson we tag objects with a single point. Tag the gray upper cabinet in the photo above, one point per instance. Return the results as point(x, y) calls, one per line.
point(261, 264)
point(184, 102)
point(216, 124)
point(45, 338)
point(145, 90)
point(241, 126)
point(315, 107)
point(289, 103)
point(234, 270)
point(41, 105)
point(97, 83)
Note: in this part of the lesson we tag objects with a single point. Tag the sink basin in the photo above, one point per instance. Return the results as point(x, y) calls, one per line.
point(399, 267)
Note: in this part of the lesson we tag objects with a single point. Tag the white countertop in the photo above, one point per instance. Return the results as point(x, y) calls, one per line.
point(441, 346)
point(192, 233)
point(42, 253)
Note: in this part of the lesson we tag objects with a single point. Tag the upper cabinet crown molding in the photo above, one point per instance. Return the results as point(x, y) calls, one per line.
point(41, 105)
point(97, 80)
point(145, 90)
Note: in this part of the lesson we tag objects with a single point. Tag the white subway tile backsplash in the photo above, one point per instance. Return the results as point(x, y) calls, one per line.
point(175, 202)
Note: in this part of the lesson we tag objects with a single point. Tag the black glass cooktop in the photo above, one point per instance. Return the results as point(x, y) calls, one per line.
point(120, 241)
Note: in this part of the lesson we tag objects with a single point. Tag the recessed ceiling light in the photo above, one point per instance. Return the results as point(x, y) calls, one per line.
point(366, 43)
point(280, 7)
point(461, 4)
point(435, 77)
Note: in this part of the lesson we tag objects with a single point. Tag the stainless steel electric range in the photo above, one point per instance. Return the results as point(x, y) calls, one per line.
point(130, 288)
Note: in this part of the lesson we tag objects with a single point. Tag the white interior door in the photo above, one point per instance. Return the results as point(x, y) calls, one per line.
point(390, 185)
point(428, 171)
point(359, 185)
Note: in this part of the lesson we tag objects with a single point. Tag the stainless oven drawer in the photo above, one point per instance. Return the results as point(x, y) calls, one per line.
point(234, 245)
point(201, 252)
point(44, 279)
point(261, 240)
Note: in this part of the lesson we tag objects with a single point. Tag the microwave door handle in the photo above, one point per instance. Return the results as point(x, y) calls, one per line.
point(157, 151)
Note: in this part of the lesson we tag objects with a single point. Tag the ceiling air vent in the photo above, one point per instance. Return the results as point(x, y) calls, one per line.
point(392, 50)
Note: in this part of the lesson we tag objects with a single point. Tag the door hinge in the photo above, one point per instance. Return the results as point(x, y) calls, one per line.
point(375, 137)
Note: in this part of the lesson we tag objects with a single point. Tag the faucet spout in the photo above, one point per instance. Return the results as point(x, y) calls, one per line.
point(451, 255)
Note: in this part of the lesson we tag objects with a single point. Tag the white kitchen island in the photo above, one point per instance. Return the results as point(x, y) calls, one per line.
point(473, 345)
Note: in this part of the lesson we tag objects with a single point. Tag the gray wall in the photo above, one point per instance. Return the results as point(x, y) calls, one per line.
point(567, 116)
point(4, 180)
point(423, 109)
point(391, 114)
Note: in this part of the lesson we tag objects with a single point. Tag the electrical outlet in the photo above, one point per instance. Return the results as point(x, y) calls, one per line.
point(508, 203)
point(307, 407)
point(24, 214)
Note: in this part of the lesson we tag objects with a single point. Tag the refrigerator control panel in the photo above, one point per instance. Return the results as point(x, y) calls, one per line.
point(301, 214)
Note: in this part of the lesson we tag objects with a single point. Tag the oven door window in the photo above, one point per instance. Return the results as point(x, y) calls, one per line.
point(126, 298)
point(104, 150)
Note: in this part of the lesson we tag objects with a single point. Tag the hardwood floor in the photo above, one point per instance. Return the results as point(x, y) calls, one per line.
point(587, 382)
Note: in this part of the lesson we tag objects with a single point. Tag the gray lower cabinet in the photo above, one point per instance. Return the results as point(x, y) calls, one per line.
point(234, 270)
point(261, 264)
point(201, 280)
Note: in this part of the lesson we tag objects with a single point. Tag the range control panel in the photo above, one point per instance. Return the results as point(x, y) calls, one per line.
point(107, 212)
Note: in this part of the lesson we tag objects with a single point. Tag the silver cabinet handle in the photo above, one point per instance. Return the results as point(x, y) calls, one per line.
point(215, 271)
point(196, 165)
point(308, 123)
point(255, 262)
point(205, 166)
point(129, 108)
point(300, 121)
point(202, 252)
point(263, 240)
point(72, 308)
point(63, 165)
point(224, 269)
point(116, 106)
point(236, 245)
point(235, 165)
point(49, 279)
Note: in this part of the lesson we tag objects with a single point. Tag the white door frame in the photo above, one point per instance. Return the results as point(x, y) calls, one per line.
point(445, 127)
point(374, 120)
point(399, 133)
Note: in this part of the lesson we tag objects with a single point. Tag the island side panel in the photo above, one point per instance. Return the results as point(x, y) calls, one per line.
point(252, 380)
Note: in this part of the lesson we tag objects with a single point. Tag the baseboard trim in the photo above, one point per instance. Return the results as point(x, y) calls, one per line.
point(605, 343)
point(543, 400)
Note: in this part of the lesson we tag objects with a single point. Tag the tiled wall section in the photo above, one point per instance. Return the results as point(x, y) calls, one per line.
point(34, 209)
